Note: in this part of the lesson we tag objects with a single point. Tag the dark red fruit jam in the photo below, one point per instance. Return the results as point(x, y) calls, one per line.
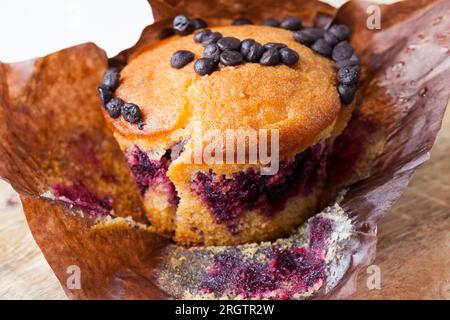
point(148, 173)
point(229, 198)
point(86, 200)
point(283, 272)
point(349, 149)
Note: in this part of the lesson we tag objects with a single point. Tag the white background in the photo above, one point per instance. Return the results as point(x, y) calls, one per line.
point(33, 28)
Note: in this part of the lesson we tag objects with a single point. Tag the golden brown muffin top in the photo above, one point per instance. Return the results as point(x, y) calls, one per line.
point(301, 101)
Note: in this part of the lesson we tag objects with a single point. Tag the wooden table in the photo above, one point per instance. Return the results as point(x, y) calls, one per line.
point(413, 248)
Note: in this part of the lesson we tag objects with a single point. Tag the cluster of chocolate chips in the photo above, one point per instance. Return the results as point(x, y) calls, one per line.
point(330, 42)
point(116, 107)
point(333, 43)
point(228, 51)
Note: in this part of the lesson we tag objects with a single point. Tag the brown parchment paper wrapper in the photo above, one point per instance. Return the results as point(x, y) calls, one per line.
point(52, 133)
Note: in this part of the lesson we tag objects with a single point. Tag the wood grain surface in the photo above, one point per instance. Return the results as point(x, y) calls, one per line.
point(413, 248)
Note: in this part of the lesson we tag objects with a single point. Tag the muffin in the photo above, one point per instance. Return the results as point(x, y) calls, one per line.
point(178, 100)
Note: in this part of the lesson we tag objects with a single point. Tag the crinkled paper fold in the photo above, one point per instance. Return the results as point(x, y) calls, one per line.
point(52, 132)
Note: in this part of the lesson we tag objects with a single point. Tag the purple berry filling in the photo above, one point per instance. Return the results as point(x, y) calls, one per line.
point(86, 200)
point(151, 173)
point(229, 198)
point(283, 272)
point(320, 230)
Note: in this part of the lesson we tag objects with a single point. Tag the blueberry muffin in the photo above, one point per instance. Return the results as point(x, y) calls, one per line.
point(164, 104)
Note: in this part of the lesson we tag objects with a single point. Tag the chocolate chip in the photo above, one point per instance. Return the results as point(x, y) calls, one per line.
point(199, 23)
point(199, 36)
point(231, 58)
point(291, 23)
point(114, 107)
point(347, 93)
point(105, 94)
point(271, 22)
point(341, 31)
point(270, 57)
point(348, 75)
point(255, 52)
point(205, 66)
point(111, 78)
point(342, 51)
point(131, 113)
point(211, 38)
point(181, 58)
point(308, 36)
point(182, 25)
point(352, 61)
point(275, 45)
point(229, 43)
point(245, 46)
point(322, 47)
point(212, 51)
point(330, 38)
point(346, 63)
point(288, 56)
point(166, 32)
point(241, 22)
